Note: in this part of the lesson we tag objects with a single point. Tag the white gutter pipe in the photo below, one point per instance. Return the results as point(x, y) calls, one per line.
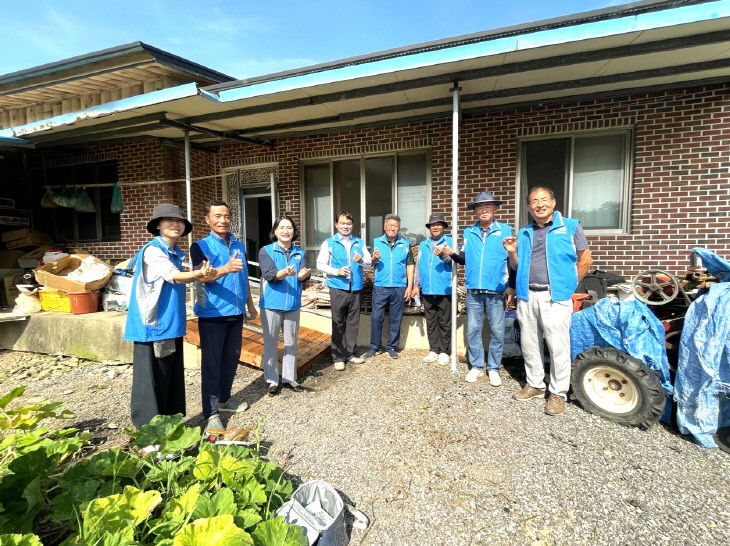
point(189, 205)
point(454, 216)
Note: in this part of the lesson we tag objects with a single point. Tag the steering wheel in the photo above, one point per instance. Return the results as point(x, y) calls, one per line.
point(655, 287)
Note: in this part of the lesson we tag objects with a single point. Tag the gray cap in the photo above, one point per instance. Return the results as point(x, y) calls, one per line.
point(437, 218)
point(486, 198)
point(167, 210)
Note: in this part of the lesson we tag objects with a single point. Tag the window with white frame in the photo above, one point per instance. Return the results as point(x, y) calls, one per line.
point(589, 174)
point(369, 188)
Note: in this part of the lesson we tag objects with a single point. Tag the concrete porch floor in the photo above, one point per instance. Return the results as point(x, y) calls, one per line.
point(99, 336)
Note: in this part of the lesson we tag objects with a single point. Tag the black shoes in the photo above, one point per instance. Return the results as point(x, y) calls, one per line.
point(274, 389)
point(296, 387)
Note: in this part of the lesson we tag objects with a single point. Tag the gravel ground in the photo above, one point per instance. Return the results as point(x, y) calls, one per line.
point(431, 459)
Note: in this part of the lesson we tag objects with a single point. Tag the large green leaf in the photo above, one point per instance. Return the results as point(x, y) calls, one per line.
point(180, 507)
point(168, 432)
point(251, 493)
point(218, 530)
point(10, 396)
point(247, 519)
point(275, 532)
point(66, 505)
point(20, 540)
point(116, 512)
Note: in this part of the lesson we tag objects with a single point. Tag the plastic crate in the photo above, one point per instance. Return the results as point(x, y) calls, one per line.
point(54, 300)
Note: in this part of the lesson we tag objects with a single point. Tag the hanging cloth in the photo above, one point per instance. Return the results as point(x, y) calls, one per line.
point(117, 202)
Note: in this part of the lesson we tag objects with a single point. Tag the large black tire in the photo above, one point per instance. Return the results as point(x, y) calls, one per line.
point(618, 387)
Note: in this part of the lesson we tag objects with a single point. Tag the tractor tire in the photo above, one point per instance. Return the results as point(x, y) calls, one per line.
point(618, 387)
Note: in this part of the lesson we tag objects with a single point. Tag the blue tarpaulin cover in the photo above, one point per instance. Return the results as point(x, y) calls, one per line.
point(715, 265)
point(703, 368)
point(629, 326)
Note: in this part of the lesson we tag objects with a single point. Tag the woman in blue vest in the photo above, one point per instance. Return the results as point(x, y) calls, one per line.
point(156, 317)
point(283, 271)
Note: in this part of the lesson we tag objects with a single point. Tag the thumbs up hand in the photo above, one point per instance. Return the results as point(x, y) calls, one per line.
point(235, 264)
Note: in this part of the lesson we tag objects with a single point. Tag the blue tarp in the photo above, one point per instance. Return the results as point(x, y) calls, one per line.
point(703, 372)
point(629, 326)
point(716, 266)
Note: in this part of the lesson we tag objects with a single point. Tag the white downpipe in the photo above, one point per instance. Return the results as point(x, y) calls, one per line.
point(189, 205)
point(454, 216)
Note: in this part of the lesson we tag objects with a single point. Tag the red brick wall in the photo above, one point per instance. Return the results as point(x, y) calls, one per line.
point(681, 172)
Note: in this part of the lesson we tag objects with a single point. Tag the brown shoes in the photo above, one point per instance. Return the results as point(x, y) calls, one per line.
point(528, 393)
point(555, 405)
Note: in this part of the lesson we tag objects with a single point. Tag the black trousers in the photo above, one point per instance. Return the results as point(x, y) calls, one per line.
point(345, 322)
point(220, 349)
point(158, 384)
point(437, 310)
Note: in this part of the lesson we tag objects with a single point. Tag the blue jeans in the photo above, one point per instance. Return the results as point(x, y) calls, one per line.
point(476, 305)
point(381, 297)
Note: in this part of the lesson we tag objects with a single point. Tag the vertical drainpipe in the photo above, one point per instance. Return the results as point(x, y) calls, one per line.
point(189, 204)
point(454, 215)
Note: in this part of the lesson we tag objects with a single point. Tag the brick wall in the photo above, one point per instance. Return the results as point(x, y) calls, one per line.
point(681, 170)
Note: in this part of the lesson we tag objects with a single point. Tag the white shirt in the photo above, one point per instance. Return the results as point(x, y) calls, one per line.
point(324, 257)
point(157, 264)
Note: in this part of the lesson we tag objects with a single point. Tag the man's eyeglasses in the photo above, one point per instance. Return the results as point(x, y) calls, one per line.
point(543, 201)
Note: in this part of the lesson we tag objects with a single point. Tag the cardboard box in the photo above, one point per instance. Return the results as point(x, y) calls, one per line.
point(53, 275)
point(33, 258)
point(20, 238)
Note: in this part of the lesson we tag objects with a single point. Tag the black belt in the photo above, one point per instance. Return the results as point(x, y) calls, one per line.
point(539, 287)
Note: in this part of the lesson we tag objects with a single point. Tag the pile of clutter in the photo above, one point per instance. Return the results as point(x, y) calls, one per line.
point(38, 276)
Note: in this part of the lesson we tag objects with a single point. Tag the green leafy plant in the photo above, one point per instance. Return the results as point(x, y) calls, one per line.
point(186, 490)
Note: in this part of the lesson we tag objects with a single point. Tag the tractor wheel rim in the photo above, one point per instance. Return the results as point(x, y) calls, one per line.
point(610, 389)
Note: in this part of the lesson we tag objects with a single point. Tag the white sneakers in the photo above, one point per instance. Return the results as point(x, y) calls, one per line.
point(473, 375)
point(430, 357)
point(441, 358)
point(339, 366)
point(494, 379)
point(444, 359)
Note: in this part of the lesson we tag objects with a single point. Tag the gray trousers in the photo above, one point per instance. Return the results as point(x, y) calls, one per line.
point(540, 317)
point(273, 322)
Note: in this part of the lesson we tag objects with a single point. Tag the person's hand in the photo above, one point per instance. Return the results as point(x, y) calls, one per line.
point(343, 271)
point(509, 297)
point(439, 250)
point(446, 249)
point(408, 293)
point(510, 244)
point(356, 257)
point(252, 312)
point(376, 254)
point(303, 273)
point(205, 271)
point(235, 264)
point(286, 272)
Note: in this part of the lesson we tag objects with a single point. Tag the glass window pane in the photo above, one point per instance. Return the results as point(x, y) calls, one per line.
point(598, 174)
point(378, 194)
point(544, 164)
point(317, 204)
point(346, 180)
point(412, 198)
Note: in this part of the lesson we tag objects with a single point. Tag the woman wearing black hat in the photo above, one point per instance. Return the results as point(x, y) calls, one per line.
point(156, 317)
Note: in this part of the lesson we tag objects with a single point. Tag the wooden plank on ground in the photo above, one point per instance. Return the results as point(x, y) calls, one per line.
point(311, 345)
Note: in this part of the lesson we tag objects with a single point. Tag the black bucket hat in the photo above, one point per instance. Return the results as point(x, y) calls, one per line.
point(437, 218)
point(167, 210)
point(486, 198)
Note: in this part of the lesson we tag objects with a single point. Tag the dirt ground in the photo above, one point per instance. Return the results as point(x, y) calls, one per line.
point(431, 459)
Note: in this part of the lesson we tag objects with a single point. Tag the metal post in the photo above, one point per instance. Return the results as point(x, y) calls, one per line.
point(454, 215)
point(189, 204)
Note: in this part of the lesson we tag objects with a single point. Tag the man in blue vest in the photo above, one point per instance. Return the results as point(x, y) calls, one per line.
point(221, 303)
point(486, 274)
point(342, 258)
point(433, 281)
point(550, 255)
point(393, 284)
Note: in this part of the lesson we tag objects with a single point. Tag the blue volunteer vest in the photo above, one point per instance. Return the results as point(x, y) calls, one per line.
point(560, 254)
point(286, 294)
point(340, 258)
point(433, 274)
point(227, 295)
point(156, 308)
point(390, 269)
point(486, 261)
